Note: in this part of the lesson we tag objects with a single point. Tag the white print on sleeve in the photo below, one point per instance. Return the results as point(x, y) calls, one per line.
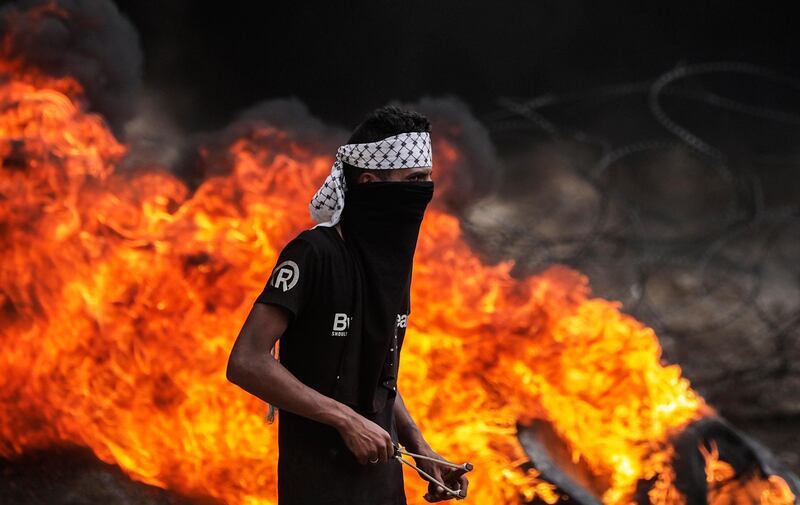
point(285, 275)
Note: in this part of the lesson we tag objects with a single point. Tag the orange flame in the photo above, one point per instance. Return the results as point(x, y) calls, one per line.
point(725, 488)
point(121, 295)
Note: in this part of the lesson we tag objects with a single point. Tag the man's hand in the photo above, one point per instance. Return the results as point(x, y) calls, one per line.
point(412, 439)
point(444, 474)
point(368, 442)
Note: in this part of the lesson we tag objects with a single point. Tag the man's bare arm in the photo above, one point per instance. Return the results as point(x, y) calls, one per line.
point(252, 368)
point(410, 436)
point(408, 433)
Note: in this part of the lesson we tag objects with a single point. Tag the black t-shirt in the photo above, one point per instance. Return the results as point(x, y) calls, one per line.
point(313, 280)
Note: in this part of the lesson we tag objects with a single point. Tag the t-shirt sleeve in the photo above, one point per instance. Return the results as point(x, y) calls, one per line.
point(290, 284)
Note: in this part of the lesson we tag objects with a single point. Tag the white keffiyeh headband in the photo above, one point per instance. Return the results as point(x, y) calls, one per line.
point(406, 150)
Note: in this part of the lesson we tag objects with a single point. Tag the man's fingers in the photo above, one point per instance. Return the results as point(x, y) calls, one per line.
point(459, 484)
point(441, 494)
point(389, 448)
point(434, 494)
point(464, 485)
point(369, 457)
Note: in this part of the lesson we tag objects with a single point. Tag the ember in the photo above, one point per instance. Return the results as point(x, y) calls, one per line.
point(122, 293)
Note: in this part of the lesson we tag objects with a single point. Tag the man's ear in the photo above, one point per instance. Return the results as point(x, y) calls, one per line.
point(367, 177)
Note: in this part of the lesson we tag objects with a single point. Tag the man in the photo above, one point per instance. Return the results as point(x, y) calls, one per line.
point(338, 298)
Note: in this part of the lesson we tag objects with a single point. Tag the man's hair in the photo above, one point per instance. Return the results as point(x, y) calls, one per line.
point(379, 124)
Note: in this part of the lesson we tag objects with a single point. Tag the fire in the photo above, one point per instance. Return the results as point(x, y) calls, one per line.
point(725, 488)
point(122, 294)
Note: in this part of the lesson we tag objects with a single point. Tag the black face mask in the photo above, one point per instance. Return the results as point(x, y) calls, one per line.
point(382, 220)
point(380, 224)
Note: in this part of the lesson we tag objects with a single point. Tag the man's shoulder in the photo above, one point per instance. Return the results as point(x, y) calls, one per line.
point(322, 241)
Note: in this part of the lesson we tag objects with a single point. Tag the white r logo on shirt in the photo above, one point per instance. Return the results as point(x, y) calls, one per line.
point(286, 275)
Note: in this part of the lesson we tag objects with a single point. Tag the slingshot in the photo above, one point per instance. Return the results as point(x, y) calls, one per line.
point(459, 470)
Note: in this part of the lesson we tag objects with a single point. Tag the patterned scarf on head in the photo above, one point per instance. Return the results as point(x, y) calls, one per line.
point(406, 150)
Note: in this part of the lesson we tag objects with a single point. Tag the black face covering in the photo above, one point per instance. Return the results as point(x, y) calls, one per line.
point(380, 224)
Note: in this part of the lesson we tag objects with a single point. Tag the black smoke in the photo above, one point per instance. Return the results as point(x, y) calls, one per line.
point(89, 40)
